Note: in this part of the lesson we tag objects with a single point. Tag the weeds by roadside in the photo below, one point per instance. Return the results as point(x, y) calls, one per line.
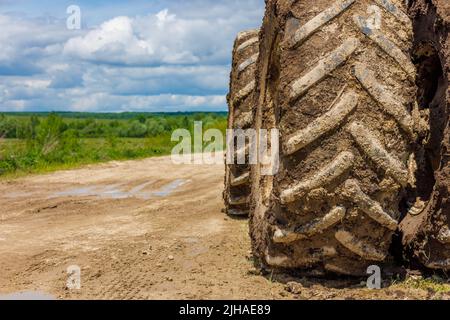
point(434, 283)
point(41, 144)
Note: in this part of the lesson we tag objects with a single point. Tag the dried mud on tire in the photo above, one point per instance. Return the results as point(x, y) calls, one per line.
point(240, 102)
point(336, 79)
point(425, 231)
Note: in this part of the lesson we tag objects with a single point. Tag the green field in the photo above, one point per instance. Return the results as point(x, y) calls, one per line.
point(42, 142)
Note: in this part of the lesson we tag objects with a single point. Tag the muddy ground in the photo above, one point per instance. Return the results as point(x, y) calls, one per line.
point(147, 229)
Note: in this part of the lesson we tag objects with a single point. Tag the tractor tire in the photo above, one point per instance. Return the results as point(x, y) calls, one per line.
point(426, 228)
point(336, 79)
point(240, 102)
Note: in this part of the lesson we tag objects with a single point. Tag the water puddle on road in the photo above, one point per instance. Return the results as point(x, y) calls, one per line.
point(14, 195)
point(116, 191)
point(169, 188)
point(27, 295)
point(140, 187)
point(85, 191)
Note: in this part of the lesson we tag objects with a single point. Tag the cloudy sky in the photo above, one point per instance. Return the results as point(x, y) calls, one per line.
point(153, 55)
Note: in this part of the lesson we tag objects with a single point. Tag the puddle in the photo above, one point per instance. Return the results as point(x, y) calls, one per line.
point(109, 191)
point(76, 192)
point(169, 188)
point(27, 295)
point(14, 195)
point(115, 191)
point(140, 187)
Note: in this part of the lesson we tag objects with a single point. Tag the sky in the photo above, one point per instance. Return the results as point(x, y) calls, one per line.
point(154, 55)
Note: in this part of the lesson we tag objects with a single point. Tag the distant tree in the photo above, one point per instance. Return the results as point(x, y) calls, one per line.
point(141, 118)
point(49, 133)
point(137, 130)
point(185, 123)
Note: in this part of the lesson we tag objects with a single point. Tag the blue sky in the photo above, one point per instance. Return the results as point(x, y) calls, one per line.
point(161, 55)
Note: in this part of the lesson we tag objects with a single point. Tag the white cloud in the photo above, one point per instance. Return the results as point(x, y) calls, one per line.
point(175, 59)
point(113, 42)
point(162, 79)
point(161, 38)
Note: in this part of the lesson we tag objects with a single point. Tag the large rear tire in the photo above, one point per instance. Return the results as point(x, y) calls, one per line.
point(338, 83)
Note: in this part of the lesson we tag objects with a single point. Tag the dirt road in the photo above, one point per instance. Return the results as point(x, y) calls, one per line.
point(146, 229)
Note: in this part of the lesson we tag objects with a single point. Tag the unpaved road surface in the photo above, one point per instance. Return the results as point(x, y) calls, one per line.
point(146, 229)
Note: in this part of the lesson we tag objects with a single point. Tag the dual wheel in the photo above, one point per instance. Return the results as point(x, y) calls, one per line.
point(338, 82)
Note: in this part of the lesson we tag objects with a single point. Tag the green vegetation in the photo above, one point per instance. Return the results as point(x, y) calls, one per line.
point(36, 142)
point(434, 283)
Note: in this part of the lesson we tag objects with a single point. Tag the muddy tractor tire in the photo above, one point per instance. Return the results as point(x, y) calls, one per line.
point(241, 108)
point(426, 227)
point(336, 79)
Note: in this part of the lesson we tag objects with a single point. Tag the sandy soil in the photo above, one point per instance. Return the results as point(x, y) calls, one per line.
point(145, 229)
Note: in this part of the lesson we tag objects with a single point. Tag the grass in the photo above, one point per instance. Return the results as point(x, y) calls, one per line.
point(48, 143)
point(434, 283)
point(22, 161)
